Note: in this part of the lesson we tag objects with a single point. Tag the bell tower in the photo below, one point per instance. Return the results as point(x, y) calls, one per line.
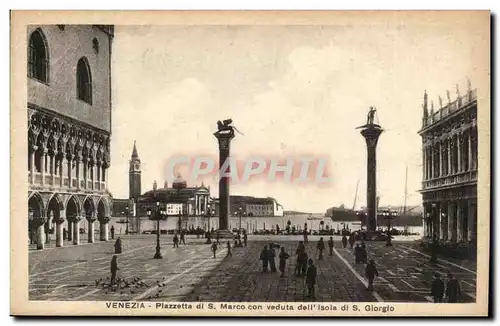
point(134, 175)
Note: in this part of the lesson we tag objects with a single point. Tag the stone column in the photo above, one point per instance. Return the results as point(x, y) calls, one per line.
point(76, 229)
point(371, 133)
point(39, 223)
point(70, 171)
point(442, 221)
point(469, 149)
point(91, 219)
point(196, 205)
point(59, 229)
point(471, 221)
point(459, 153)
point(103, 223)
point(42, 163)
point(451, 222)
point(432, 162)
point(32, 163)
point(79, 172)
point(61, 171)
point(98, 175)
point(460, 225)
point(449, 156)
point(224, 138)
point(424, 163)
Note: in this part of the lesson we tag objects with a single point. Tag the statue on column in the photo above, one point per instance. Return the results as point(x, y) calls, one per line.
point(371, 115)
point(226, 127)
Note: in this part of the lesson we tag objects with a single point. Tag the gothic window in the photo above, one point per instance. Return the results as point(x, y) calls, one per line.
point(95, 45)
point(84, 81)
point(38, 57)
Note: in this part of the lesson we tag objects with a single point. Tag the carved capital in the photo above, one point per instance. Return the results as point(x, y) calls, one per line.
point(39, 221)
point(91, 218)
point(60, 220)
point(103, 219)
point(74, 219)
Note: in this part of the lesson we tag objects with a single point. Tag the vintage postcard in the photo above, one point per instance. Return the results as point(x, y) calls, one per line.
point(331, 163)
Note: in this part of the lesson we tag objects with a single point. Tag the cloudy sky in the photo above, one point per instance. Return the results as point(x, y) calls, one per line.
point(293, 91)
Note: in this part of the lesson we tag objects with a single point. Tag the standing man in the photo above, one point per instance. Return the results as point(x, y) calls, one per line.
point(112, 231)
point(452, 289)
point(183, 237)
point(330, 246)
point(229, 254)
point(245, 238)
point(437, 289)
point(320, 246)
point(311, 278)
point(176, 241)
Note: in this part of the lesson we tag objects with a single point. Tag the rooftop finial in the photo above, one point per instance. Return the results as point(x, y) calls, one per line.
point(134, 151)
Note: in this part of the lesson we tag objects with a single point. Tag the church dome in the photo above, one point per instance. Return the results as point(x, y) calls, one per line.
point(179, 182)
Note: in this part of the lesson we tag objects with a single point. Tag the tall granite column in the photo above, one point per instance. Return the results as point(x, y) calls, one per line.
point(371, 133)
point(224, 139)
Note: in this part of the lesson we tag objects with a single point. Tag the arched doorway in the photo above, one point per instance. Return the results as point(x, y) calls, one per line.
point(35, 210)
point(90, 216)
point(103, 219)
point(54, 208)
point(71, 216)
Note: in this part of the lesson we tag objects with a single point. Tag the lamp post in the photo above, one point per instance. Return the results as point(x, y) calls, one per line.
point(240, 212)
point(157, 214)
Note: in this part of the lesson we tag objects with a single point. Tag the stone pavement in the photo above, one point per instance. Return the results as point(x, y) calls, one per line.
point(190, 273)
point(406, 274)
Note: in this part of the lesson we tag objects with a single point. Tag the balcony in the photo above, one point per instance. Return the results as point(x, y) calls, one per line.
point(450, 180)
point(54, 181)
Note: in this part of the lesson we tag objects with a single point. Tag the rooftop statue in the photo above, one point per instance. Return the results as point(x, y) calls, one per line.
point(371, 115)
point(226, 127)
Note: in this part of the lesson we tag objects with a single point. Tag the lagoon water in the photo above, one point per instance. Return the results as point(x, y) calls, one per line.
point(248, 223)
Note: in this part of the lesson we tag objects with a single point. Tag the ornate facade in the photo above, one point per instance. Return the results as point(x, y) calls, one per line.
point(449, 186)
point(69, 130)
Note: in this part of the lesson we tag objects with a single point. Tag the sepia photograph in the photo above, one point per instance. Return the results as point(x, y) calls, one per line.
point(243, 164)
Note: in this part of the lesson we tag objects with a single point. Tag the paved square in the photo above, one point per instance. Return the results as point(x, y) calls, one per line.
point(190, 273)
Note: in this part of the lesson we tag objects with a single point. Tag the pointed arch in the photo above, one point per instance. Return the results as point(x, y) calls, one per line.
point(73, 207)
point(103, 207)
point(89, 208)
point(38, 56)
point(36, 207)
point(84, 80)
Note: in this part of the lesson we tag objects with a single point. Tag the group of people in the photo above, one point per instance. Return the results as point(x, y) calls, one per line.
point(451, 292)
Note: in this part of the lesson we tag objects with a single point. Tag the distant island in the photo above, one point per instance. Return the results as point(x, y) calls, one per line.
point(295, 213)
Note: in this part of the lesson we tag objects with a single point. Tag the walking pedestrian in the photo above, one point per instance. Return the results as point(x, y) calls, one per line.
point(283, 257)
point(264, 257)
point(330, 246)
point(320, 246)
point(311, 278)
point(351, 240)
point(229, 254)
point(371, 272)
point(114, 269)
point(214, 248)
point(437, 289)
point(344, 241)
point(452, 289)
point(217, 238)
point(118, 246)
point(299, 252)
point(271, 259)
point(245, 238)
point(176, 241)
point(183, 237)
point(305, 236)
point(65, 234)
point(112, 231)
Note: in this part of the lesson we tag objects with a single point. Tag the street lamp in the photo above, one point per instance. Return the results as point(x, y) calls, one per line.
point(156, 215)
point(240, 211)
